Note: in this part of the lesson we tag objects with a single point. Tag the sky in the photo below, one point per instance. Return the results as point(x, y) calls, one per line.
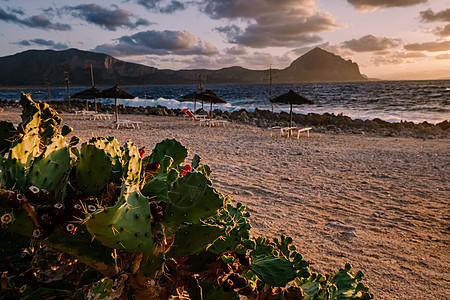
point(388, 39)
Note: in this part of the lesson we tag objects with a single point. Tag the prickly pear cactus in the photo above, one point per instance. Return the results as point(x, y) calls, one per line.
point(178, 237)
point(126, 225)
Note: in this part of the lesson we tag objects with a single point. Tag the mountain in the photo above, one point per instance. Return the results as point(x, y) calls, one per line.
point(32, 67)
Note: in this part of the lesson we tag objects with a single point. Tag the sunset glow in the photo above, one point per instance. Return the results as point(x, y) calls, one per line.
point(389, 39)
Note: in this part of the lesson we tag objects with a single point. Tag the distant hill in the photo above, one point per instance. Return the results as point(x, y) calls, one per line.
point(30, 68)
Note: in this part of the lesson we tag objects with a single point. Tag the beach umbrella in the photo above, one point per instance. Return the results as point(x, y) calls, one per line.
point(92, 93)
point(211, 97)
point(192, 95)
point(291, 98)
point(117, 93)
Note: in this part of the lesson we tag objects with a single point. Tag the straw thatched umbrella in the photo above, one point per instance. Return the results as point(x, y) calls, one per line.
point(92, 93)
point(211, 97)
point(192, 95)
point(291, 97)
point(116, 92)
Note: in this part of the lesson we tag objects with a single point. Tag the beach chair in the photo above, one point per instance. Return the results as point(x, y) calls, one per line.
point(127, 124)
point(300, 129)
point(281, 129)
point(289, 130)
point(188, 114)
point(213, 122)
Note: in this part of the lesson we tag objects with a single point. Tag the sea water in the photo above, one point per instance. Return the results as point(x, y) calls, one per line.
point(392, 101)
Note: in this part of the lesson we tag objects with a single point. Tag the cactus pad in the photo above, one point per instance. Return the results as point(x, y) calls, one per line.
point(191, 199)
point(50, 168)
point(169, 147)
point(126, 225)
point(194, 239)
point(93, 169)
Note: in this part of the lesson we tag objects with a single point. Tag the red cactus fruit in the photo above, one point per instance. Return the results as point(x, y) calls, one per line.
point(227, 285)
point(153, 167)
point(246, 291)
point(16, 200)
point(157, 210)
point(186, 168)
point(57, 212)
point(142, 151)
point(91, 208)
point(6, 218)
point(33, 194)
point(70, 228)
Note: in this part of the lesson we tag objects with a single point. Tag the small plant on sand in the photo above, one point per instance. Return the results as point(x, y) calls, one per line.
point(104, 221)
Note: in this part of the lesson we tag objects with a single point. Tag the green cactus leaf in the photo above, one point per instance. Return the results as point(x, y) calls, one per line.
point(157, 188)
point(132, 163)
point(348, 285)
point(126, 225)
point(50, 168)
point(275, 271)
point(2, 172)
point(226, 244)
point(210, 291)
point(193, 239)
point(195, 162)
point(191, 199)
point(172, 148)
point(93, 169)
point(7, 132)
point(81, 246)
point(20, 157)
point(65, 130)
point(151, 263)
point(112, 148)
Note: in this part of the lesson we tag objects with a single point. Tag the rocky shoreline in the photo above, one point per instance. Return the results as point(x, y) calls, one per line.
point(325, 123)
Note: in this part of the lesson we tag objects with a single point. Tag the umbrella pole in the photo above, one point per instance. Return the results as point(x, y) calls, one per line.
point(87, 105)
point(210, 112)
point(195, 102)
point(117, 110)
point(290, 122)
point(95, 101)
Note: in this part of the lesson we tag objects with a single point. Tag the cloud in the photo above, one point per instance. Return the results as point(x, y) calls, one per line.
point(149, 4)
point(110, 19)
point(251, 9)
point(429, 16)
point(38, 21)
point(443, 31)
point(371, 43)
point(254, 61)
point(159, 42)
point(172, 7)
point(371, 5)
point(430, 46)
point(284, 23)
point(443, 56)
point(236, 50)
point(161, 6)
point(43, 43)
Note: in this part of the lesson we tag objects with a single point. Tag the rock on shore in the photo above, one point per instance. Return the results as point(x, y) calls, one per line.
point(329, 123)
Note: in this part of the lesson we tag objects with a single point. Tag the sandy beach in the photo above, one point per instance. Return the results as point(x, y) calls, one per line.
point(380, 203)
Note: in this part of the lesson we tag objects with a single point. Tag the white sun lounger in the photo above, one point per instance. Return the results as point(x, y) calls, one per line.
point(127, 124)
point(287, 130)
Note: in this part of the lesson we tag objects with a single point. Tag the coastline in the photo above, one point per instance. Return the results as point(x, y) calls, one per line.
point(378, 202)
point(321, 123)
